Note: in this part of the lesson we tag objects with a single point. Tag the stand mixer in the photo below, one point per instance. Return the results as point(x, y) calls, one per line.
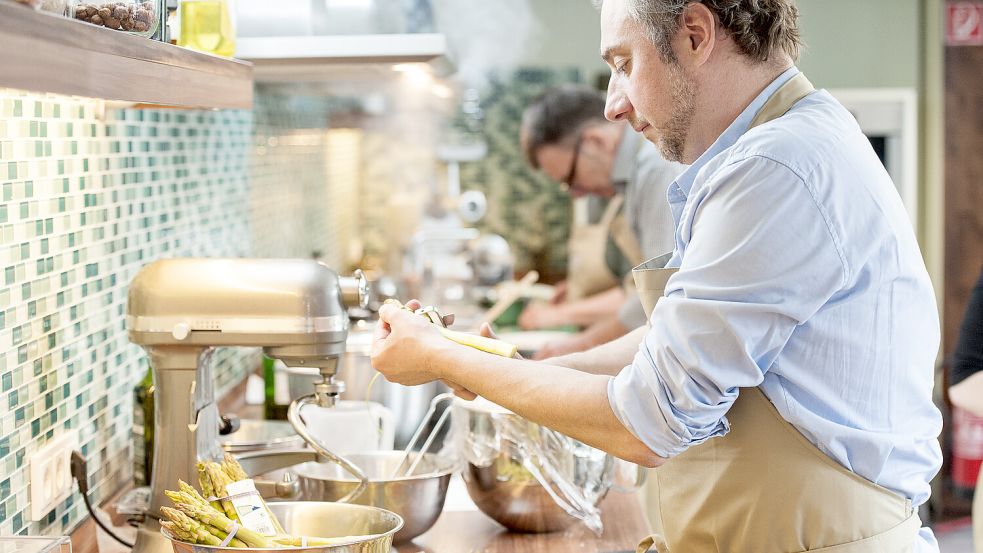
point(180, 309)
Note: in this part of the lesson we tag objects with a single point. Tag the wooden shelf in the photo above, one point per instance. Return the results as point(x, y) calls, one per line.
point(46, 53)
point(317, 58)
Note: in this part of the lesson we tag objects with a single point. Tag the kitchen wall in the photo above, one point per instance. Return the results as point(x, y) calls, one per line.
point(90, 193)
point(874, 43)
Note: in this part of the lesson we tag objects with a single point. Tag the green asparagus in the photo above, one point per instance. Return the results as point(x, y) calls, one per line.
point(233, 469)
point(209, 516)
point(206, 485)
point(190, 528)
point(219, 481)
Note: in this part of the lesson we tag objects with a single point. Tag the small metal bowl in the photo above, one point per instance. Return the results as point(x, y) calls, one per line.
point(418, 499)
point(372, 529)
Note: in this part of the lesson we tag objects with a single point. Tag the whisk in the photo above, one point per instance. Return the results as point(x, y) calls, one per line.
point(428, 443)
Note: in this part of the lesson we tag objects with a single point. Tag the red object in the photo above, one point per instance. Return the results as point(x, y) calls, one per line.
point(967, 448)
point(964, 23)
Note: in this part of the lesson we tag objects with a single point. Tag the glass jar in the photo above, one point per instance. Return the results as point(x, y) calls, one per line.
point(139, 17)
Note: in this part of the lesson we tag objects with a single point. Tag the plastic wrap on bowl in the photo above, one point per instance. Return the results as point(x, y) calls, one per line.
point(521, 454)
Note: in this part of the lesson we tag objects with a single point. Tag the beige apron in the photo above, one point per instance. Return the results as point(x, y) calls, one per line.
point(588, 273)
point(763, 487)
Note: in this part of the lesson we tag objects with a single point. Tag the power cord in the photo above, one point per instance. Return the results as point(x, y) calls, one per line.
point(80, 473)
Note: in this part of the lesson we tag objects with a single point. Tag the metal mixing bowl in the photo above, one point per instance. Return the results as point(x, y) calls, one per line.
point(372, 528)
point(418, 499)
point(504, 489)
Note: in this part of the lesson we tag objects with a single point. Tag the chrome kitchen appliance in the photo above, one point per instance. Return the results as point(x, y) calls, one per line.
point(179, 310)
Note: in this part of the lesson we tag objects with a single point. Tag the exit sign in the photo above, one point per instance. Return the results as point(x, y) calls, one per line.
point(964, 24)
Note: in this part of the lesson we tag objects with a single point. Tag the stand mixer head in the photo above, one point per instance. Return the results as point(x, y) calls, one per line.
point(180, 309)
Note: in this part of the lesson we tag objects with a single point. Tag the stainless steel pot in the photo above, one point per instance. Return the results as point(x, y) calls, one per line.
point(418, 499)
point(372, 529)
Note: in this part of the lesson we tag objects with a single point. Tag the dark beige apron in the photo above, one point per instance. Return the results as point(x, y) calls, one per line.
point(588, 273)
point(763, 487)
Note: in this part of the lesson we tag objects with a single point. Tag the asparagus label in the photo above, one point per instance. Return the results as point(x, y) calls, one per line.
point(249, 506)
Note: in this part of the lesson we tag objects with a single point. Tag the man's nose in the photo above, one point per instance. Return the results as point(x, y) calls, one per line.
point(617, 107)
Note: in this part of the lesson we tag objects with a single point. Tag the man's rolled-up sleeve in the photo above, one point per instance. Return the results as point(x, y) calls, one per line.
point(761, 258)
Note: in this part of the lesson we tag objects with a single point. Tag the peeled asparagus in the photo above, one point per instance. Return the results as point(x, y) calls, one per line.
point(488, 345)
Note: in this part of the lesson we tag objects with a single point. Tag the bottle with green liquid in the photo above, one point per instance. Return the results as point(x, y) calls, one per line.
point(207, 26)
point(143, 429)
point(274, 406)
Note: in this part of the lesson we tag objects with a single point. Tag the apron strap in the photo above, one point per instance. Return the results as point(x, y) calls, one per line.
point(614, 206)
point(654, 541)
point(900, 539)
point(787, 95)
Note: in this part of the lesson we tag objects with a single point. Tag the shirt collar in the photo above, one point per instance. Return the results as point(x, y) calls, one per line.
point(734, 132)
point(624, 159)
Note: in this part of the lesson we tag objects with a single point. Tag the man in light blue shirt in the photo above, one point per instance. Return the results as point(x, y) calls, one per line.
point(798, 275)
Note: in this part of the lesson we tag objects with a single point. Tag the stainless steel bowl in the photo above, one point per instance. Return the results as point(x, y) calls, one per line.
point(504, 489)
point(418, 499)
point(372, 529)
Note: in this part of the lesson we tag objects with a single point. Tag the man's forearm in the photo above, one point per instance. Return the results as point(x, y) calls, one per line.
point(607, 359)
point(571, 402)
point(589, 310)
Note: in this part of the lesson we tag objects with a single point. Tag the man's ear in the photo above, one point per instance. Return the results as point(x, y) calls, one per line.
point(697, 36)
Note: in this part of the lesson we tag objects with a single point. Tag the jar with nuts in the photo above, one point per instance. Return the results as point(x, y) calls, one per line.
point(140, 17)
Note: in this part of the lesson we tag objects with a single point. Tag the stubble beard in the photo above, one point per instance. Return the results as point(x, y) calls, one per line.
point(673, 135)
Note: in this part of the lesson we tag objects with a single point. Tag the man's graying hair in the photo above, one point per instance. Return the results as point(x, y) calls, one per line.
point(761, 29)
point(557, 115)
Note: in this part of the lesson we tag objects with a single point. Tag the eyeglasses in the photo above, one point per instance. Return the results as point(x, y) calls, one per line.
point(567, 182)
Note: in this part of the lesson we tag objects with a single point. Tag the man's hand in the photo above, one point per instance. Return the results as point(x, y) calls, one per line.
point(555, 348)
point(560, 292)
point(397, 330)
point(405, 346)
point(541, 315)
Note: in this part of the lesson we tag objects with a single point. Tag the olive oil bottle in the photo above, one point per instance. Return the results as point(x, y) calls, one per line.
point(143, 429)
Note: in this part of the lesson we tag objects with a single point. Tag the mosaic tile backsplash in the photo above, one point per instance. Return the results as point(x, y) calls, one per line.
point(91, 193)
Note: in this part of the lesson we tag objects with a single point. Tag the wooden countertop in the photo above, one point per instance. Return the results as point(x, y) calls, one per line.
point(470, 531)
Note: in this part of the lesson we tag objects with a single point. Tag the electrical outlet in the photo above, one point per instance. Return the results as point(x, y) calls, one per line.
point(51, 474)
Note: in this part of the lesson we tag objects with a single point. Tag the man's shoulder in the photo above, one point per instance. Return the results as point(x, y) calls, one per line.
point(815, 131)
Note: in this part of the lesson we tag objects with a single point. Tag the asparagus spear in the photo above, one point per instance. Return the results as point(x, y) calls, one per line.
point(177, 532)
point(211, 517)
point(234, 542)
point(192, 493)
point(235, 472)
point(190, 528)
point(233, 469)
point(206, 485)
point(489, 345)
point(298, 541)
point(218, 485)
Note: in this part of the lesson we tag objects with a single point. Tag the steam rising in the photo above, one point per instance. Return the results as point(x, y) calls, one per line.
point(486, 37)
